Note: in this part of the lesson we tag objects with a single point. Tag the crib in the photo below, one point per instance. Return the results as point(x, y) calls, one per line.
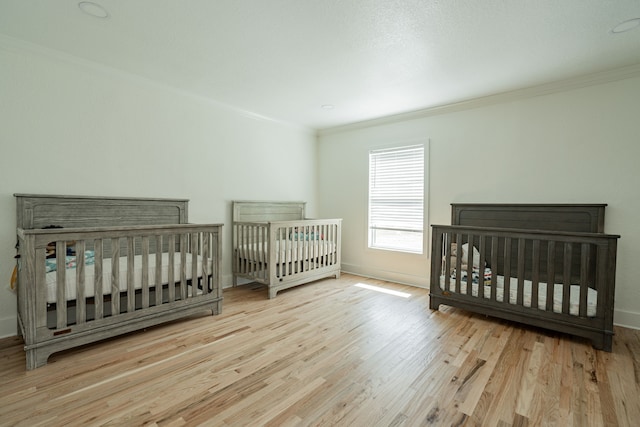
point(545, 265)
point(91, 268)
point(275, 245)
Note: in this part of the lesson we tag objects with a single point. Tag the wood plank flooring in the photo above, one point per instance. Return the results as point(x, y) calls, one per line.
point(329, 353)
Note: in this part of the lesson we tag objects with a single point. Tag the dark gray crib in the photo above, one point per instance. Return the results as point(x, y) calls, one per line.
point(545, 265)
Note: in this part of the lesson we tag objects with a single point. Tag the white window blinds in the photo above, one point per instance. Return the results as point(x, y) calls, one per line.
point(396, 198)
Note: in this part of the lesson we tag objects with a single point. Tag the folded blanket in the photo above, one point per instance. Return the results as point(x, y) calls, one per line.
point(70, 261)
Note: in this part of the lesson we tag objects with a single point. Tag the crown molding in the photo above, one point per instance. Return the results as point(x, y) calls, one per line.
point(612, 75)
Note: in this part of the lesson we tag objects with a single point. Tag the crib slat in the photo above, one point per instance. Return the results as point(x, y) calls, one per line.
point(251, 249)
point(566, 280)
point(260, 253)
point(482, 250)
point(131, 290)
point(81, 302)
point(195, 238)
point(302, 247)
point(256, 246)
point(329, 244)
point(584, 272)
point(158, 279)
point(521, 252)
point(145, 271)
point(551, 266)
point(535, 274)
point(241, 250)
point(183, 266)
point(61, 282)
point(250, 238)
point(506, 293)
point(314, 249)
point(494, 265)
point(171, 267)
point(286, 260)
point(248, 249)
point(458, 262)
point(206, 252)
point(237, 248)
point(323, 244)
point(115, 277)
point(316, 246)
point(300, 244)
point(327, 236)
point(214, 267)
point(98, 284)
point(306, 245)
point(251, 254)
point(469, 264)
point(446, 240)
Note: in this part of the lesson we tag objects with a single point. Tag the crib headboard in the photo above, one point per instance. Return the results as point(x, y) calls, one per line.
point(36, 211)
point(588, 218)
point(256, 211)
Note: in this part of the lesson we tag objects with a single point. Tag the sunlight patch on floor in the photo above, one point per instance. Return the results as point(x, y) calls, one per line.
point(383, 290)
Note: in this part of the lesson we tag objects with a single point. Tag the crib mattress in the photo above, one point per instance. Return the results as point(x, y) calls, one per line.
point(288, 250)
point(89, 287)
point(574, 294)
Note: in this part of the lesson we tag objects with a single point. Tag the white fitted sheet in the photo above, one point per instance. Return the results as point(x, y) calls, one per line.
point(288, 250)
point(89, 286)
point(574, 299)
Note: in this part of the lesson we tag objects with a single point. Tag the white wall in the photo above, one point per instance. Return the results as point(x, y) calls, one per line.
point(576, 146)
point(69, 127)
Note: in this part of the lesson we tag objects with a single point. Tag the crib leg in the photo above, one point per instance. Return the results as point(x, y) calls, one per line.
point(217, 308)
point(606, 343)
point(434, 304)
point(272, 293)
point(603, 342)
point(36, 357)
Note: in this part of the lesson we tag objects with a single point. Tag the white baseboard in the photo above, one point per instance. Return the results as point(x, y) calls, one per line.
point(627, 319)
point(391, 276)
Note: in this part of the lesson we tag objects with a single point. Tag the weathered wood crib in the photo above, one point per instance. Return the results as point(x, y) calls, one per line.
point(274, 244)
point(549, 266)
point(104, 266)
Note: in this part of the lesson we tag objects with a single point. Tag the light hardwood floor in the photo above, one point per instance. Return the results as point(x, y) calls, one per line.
point(329, 353)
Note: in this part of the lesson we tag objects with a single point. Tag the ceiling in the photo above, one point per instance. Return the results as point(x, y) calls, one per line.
point(285, 59)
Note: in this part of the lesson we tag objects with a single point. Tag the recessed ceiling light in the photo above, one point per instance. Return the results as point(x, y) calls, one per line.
point(327, 106)
point(625, 26)
point(93, 9)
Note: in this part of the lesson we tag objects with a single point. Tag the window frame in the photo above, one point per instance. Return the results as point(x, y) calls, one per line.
point(424, 144)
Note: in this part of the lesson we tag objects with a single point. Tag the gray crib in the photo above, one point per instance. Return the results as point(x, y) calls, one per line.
point(90, 268)
point(546, 265)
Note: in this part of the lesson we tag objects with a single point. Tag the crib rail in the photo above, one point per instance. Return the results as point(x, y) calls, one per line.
point(134, 269)
point(251, 248)
point(529, 262)
point(303, 247)
point(277, 251)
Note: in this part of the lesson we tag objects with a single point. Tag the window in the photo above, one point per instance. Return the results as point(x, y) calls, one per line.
point(396, 198)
